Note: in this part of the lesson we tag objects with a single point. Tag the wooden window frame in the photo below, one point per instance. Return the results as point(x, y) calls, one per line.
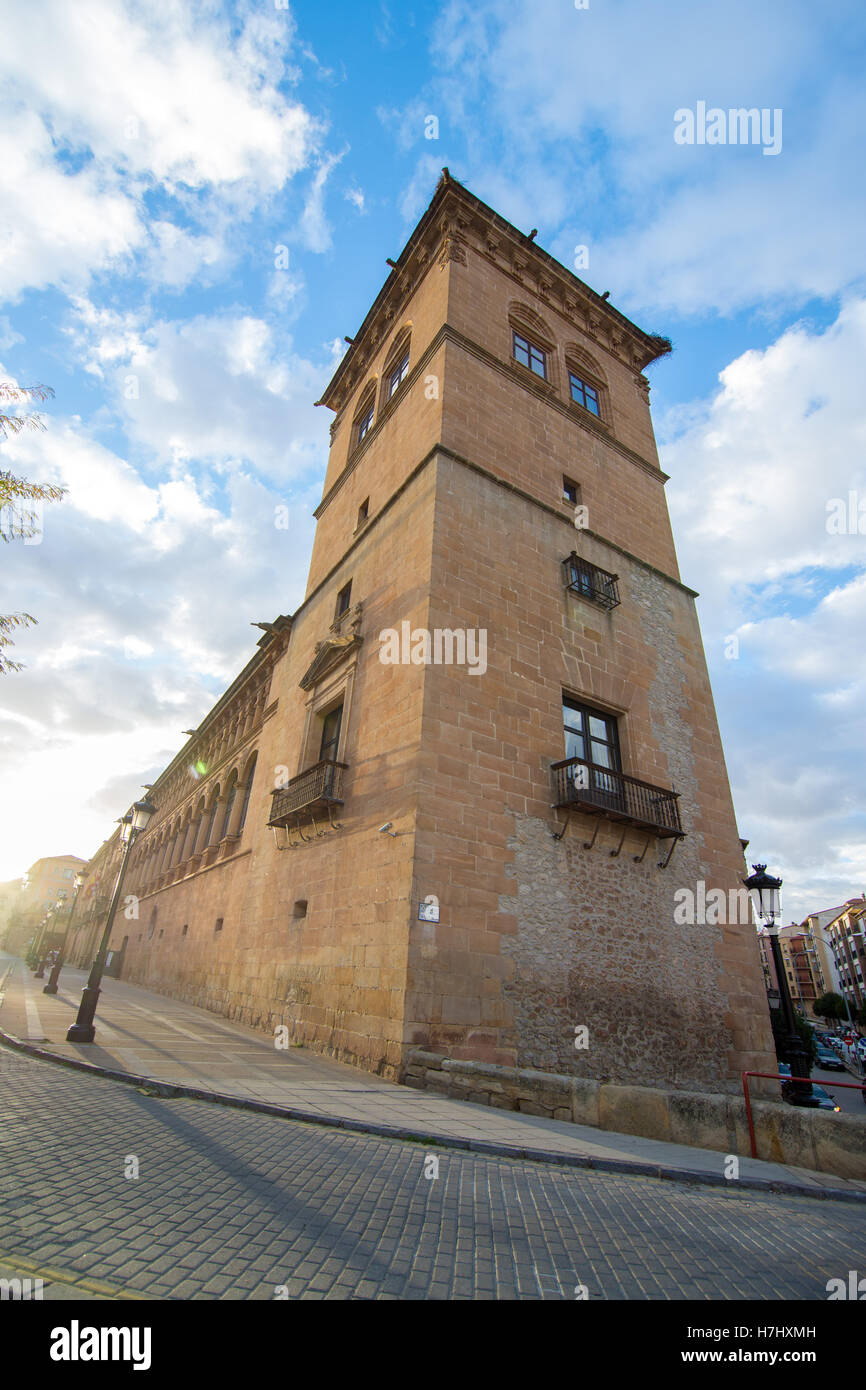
point(591, 712)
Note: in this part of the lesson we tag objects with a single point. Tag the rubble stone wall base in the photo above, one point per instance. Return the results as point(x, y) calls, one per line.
point(814, 1139)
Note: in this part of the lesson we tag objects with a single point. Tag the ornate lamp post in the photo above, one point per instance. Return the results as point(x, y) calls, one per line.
point(51, 987)
point(82, 1030)
point(765, 895)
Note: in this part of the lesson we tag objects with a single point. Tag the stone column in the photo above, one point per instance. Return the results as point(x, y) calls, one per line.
point(188, 840)
point(164, 854)
point(214, 835)
point(201, 830)
point(177, 847)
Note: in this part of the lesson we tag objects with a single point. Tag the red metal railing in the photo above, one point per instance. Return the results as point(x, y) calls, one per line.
point(772, 1076)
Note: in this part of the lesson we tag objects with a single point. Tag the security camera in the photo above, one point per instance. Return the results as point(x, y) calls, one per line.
point(387, 829)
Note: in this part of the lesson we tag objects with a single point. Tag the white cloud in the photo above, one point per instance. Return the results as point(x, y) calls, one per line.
point(751, 474)
point(105, 105)
point(57, 228)
point(560, 109)
point(163, 91)
point(144, 594)
point(754, 471)
point(313, 227)
point(212, 388)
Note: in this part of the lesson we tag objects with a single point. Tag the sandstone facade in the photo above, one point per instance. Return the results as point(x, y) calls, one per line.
point(449, 504)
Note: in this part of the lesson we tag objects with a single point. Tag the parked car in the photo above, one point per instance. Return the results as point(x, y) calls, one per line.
point(826, 1057)
point(825, 1102)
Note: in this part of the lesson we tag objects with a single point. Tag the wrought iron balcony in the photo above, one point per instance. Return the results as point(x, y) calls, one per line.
point(596, 791)
point(591, 582)
point(317, 788)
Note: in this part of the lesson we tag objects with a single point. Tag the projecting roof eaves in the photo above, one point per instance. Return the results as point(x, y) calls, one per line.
point(655, 345)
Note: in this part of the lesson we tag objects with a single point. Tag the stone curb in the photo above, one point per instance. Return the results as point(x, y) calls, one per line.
point(170, 1090)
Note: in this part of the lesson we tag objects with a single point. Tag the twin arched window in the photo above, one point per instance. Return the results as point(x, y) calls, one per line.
point(533, 346)
point(395, 371)
point(396, 365)
point(363, 421)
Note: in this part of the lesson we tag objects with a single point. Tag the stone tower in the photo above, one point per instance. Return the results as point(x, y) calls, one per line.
point(497, 661)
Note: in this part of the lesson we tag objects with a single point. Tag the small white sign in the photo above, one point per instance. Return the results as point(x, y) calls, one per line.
point(428, 910)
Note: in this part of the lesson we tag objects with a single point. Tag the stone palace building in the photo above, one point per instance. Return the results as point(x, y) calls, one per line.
point(448, 802)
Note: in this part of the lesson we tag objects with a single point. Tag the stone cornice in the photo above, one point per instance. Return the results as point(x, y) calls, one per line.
point(179, 807)
point(455, 222)
point(254, 675)
point(563, 515)
point(558, 512)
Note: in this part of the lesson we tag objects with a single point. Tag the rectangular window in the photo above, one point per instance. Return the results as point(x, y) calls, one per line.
point(584, 394)
point(363, 513)
point(219, 924)
point(331, 735)
point(343, 599)
point(590, 735)
point(535, 358)
point(398, 375)
point(570, 490)
point(364, 424)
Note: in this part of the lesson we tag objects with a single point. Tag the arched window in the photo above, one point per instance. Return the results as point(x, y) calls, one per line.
point(532, 343)
point(362, 422)
point(230, 801)
point(250, 774)
point(587, 385)
point(396, 365)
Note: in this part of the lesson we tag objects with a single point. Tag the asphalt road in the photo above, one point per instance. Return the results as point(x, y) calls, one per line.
point(850, 1102)
point(183, 1199)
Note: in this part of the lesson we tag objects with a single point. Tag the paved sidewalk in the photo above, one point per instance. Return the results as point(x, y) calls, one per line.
point(150, 1037)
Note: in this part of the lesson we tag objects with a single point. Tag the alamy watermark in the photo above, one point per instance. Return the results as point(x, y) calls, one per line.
point(20, 521)
point(444, 646)
point(700, 906)
point(737, 126)
point(846, 518)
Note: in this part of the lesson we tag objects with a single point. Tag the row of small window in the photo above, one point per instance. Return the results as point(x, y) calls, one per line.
point(299, 910)
point(535, 358)
point(394, 381)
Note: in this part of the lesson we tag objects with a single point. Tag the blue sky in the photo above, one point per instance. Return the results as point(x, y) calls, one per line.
point(155, 161)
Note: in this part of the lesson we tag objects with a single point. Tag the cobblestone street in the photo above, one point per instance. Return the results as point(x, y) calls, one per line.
point(235, 1205)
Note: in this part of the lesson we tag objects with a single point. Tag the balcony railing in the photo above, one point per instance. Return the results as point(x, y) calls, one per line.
point(599, 792)
point(591, 582)
point(314, 789)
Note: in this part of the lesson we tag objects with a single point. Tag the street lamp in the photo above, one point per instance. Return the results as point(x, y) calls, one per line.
point(47, 921)
point(51, 987)
point(765, 894)
point(131, 825)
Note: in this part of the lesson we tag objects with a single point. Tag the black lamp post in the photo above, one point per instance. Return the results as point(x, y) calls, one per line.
point(765, 895)
point(82, 1030)
point(47, 921)
point(51, 987)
